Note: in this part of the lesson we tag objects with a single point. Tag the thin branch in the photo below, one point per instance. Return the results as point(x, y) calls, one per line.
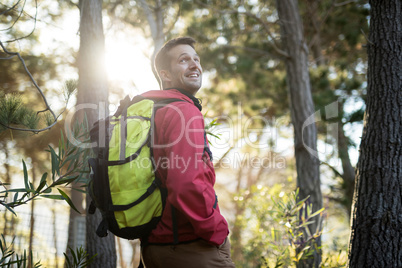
point(37, 87)
point(72, 3)
point(219, 163)
point(253, 50)
point(35, 20)
point(318, 26)
point(337, 173)
point(151, 20)
point(18, 17)
point(36, 131)
point(260, 21)
point(344, 3)
point(29, 16)
point(11, 8)
point(8, 58)
point(365, 36)
point(334, 4)
point(174, 21)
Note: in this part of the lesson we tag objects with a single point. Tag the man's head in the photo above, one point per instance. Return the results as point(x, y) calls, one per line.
point(178, 65)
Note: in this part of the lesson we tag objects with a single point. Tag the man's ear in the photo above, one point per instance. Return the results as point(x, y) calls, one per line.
point(165, 76)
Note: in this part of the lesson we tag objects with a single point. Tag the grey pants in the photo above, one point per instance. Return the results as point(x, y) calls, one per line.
point(197, 254)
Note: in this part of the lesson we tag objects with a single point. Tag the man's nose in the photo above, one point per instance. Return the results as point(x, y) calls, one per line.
point(195, 65)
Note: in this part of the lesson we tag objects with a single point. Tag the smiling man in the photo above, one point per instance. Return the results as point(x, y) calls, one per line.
point(179, 67)
point(192, 232)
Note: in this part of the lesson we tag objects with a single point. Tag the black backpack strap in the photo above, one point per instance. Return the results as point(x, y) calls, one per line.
point(124, 103)
point(206, 147)
point(141, 265)
point(92, 207)
point(155, 184)
point(174, 225)
point(101, 231)
point(216, 201)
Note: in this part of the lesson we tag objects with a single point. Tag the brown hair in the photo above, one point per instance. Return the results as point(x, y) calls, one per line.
point(162, 61)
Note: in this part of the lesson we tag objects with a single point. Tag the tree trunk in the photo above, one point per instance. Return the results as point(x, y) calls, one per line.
point(55, 235)
point(155, 21)
point(302, 111)
point(376, 233)
point(7, 181)
point(32, 220)
point(92, 99)
point(348, 175)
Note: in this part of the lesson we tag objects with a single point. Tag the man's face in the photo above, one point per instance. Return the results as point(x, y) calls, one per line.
point(185, 69)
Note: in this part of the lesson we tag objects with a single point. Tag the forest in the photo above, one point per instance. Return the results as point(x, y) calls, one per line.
point(302, 105)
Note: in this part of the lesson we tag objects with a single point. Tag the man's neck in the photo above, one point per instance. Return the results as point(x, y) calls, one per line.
point(197, 102)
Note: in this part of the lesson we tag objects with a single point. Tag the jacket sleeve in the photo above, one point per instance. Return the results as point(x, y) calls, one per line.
point(190, 174)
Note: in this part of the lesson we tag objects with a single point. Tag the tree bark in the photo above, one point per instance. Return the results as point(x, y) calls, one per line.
point(155, 21)
point(302, 111)
point(348, 175)
point(93, 100)
point(376, 233)
point(32, 219)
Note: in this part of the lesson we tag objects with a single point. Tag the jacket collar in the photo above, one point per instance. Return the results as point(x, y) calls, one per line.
point(197, 102)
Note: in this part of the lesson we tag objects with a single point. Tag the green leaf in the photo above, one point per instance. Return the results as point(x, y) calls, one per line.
point(53, 196)
point(66, 180)
point(305, 224)
point(74, 162)
point(55, 162)
point(69, 159)
point(80, 190)
point(213, 135)
point(317, 212)
point(15, 197)
point(73, 254)
point(301, 202)
point(62, 144)
point(10, 209)
point(25, 175)
point(20, 190)
point(72, 150)
point(68, 200)
point(42, 182)
point(48, 190)
point(67, 260)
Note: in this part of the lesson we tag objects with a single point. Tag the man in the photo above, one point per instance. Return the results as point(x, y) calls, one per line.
point(192, 232)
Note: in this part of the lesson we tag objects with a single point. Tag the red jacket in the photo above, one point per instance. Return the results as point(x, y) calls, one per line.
point(186, 170)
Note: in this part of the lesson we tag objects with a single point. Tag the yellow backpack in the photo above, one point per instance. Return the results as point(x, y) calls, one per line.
point(122, 183)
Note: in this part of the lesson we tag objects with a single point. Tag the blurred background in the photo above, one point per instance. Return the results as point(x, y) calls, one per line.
point(106, 49)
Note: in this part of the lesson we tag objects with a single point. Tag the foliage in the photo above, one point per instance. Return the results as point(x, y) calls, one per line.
point(278, 233)
point(79, 259)
point(68, 164)
point(9, 258)
point(210, 127)
point(294, 217)
point(13, 112)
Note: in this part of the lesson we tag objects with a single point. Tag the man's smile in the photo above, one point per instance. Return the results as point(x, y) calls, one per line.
point(193, 75)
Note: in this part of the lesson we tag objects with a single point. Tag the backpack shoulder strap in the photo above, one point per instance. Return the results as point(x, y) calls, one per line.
point(126, 102)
